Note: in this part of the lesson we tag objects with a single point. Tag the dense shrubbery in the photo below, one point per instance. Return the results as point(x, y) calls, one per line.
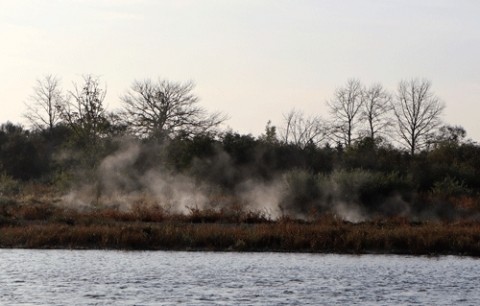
point(366, 178)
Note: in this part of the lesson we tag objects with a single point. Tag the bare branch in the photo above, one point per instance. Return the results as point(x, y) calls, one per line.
point(166, 108)
point(84, 111)
point(302, 130)
point(43, 106)
point(345, 109)
point(417, 111)
point(377, 107)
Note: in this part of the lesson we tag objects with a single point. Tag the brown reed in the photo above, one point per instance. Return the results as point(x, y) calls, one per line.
point(40, 225)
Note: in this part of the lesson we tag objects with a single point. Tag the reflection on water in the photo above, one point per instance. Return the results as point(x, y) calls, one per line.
point(62, 277)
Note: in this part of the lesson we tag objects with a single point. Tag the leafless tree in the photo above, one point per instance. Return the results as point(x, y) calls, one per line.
point(345, 109)
point(302, 130)
point(84, 111)
point(167, 108)
point(43, 105)
point(376, 110)
point(417, 111)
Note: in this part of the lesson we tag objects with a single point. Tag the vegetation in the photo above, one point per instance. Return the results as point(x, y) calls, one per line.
point(39, 225)
point(161, 174)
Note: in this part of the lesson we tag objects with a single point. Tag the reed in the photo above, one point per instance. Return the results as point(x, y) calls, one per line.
point(40, 225)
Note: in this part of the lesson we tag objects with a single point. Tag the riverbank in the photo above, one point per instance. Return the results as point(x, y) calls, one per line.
point(48, 226)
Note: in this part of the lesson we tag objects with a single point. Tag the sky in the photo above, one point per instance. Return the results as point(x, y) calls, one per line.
point(251, 59)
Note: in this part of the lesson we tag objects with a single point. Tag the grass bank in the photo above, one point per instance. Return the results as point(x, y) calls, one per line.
point(42, 225)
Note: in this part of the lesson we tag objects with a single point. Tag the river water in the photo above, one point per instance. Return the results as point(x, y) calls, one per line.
point(67, 277)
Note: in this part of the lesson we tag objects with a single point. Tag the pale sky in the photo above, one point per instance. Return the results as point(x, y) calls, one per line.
point(250, 59)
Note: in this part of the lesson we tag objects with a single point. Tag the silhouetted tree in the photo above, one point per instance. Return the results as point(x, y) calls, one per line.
point(166, 108)
point(345, 108)
point(84, 112)
point(417, 111)
point(270, 136)
point(449, 134)
point(302, 130)
point(43, 107)
point(376, 110)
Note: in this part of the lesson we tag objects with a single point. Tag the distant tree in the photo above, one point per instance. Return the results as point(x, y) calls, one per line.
point(167, 108)
point(417, 111)
point(116, 124)
point(345, 108)
point(449, 134)
point(43, 105)
point(302, 130)
point(84, 111)
point(270, 135)
point(448, 151)
point(376, 110)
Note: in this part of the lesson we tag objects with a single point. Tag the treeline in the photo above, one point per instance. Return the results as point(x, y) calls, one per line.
point(163, 145)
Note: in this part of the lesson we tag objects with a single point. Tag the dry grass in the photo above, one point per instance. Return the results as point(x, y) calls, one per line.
point(340, 238)
point(33, 224)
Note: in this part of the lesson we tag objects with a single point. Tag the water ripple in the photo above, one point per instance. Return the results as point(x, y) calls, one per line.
point(60, 277)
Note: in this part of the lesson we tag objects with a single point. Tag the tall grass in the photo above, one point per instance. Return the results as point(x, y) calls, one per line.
point(108, 230)
point(31, 223)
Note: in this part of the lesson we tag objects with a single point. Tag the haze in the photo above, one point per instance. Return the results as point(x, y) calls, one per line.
point(253, 60)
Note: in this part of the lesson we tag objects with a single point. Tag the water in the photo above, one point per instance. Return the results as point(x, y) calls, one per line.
point(63, 277)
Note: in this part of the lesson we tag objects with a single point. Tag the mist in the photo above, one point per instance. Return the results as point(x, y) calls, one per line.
point(139, 173)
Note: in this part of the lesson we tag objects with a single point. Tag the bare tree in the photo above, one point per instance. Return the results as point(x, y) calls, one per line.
point(84, 111)
point(345, 108)
point(167, 108)
point(376, 110)
point(417, 111)
point(43, 106)
point(302, 130)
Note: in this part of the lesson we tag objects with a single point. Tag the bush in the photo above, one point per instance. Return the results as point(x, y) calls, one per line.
point(449, 187)
point(302, 192)
point(8, 185)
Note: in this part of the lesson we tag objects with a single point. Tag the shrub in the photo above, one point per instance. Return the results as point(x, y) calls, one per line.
point(302, 191)
point(9, 186)
point(449, 187)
